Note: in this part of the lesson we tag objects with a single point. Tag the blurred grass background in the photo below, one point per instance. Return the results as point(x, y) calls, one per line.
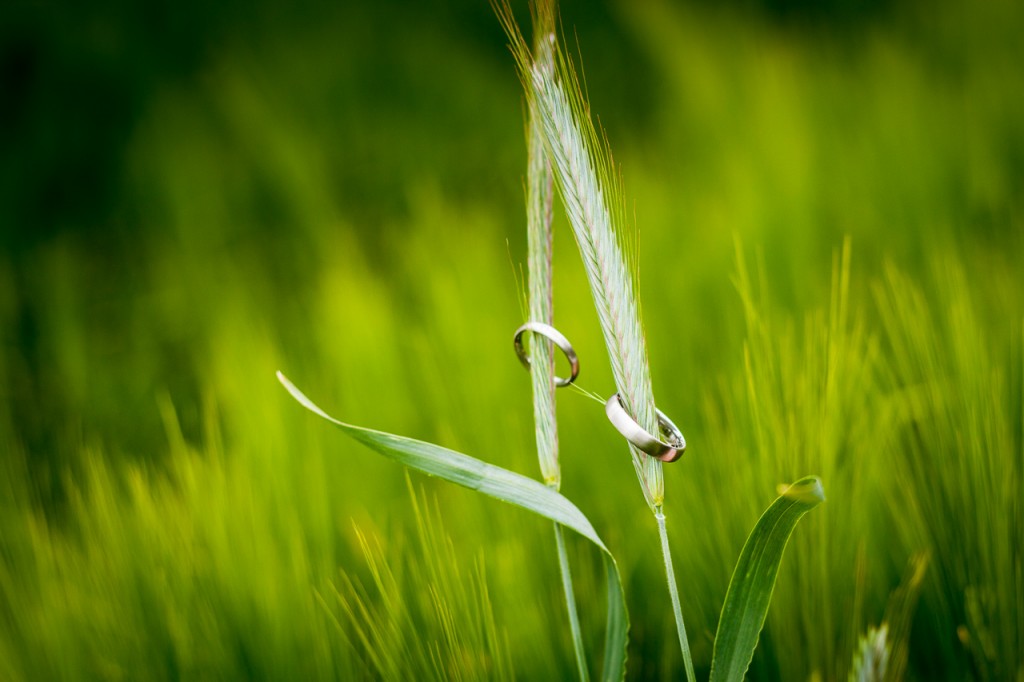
point(193, 196)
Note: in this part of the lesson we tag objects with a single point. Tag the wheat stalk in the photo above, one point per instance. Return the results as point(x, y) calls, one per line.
point(539, 197)
point(592, 196)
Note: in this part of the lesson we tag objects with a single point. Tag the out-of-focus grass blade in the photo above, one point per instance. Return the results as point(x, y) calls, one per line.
point(753, 579)
point(504, 485)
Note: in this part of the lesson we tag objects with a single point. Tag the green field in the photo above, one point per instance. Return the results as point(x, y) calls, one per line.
point(830, 209)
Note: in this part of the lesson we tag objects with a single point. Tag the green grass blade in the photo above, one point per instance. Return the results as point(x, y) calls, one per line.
point(753, 579)
point(504, 485)
point(570, 601)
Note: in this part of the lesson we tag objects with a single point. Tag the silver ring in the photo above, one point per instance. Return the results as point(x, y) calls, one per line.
point(655, 447)
point(557, 338)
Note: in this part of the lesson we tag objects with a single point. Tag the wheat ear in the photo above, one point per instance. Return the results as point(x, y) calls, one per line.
point(539, 197)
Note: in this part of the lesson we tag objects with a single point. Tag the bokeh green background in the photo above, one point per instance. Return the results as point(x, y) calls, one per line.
point(195, 195)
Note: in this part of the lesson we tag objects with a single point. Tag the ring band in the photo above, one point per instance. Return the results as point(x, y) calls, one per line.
point(638, 436)
point(557, 338)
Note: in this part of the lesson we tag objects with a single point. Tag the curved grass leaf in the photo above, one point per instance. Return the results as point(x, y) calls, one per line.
point(504, 485)
point(753, 579)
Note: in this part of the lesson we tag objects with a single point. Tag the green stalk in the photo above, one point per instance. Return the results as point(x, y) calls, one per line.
point(673, 590)
point(570, 601)
point(540, 193)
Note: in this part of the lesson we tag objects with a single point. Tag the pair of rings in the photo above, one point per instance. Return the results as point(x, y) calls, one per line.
point(668, 450)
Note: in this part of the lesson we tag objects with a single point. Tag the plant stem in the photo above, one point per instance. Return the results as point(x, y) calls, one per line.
point(677, 609)
point(540, 192)
point(570, 602)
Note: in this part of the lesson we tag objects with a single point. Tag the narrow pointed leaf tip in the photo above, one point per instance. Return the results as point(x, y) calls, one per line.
point(753, 579)
point(504, 485)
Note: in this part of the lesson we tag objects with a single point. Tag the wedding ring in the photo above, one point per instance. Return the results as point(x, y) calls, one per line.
point(557, 338)
point(655, 447)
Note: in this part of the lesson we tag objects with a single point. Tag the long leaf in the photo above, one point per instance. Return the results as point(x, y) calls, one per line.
point(753, 579)
point(504, 485)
